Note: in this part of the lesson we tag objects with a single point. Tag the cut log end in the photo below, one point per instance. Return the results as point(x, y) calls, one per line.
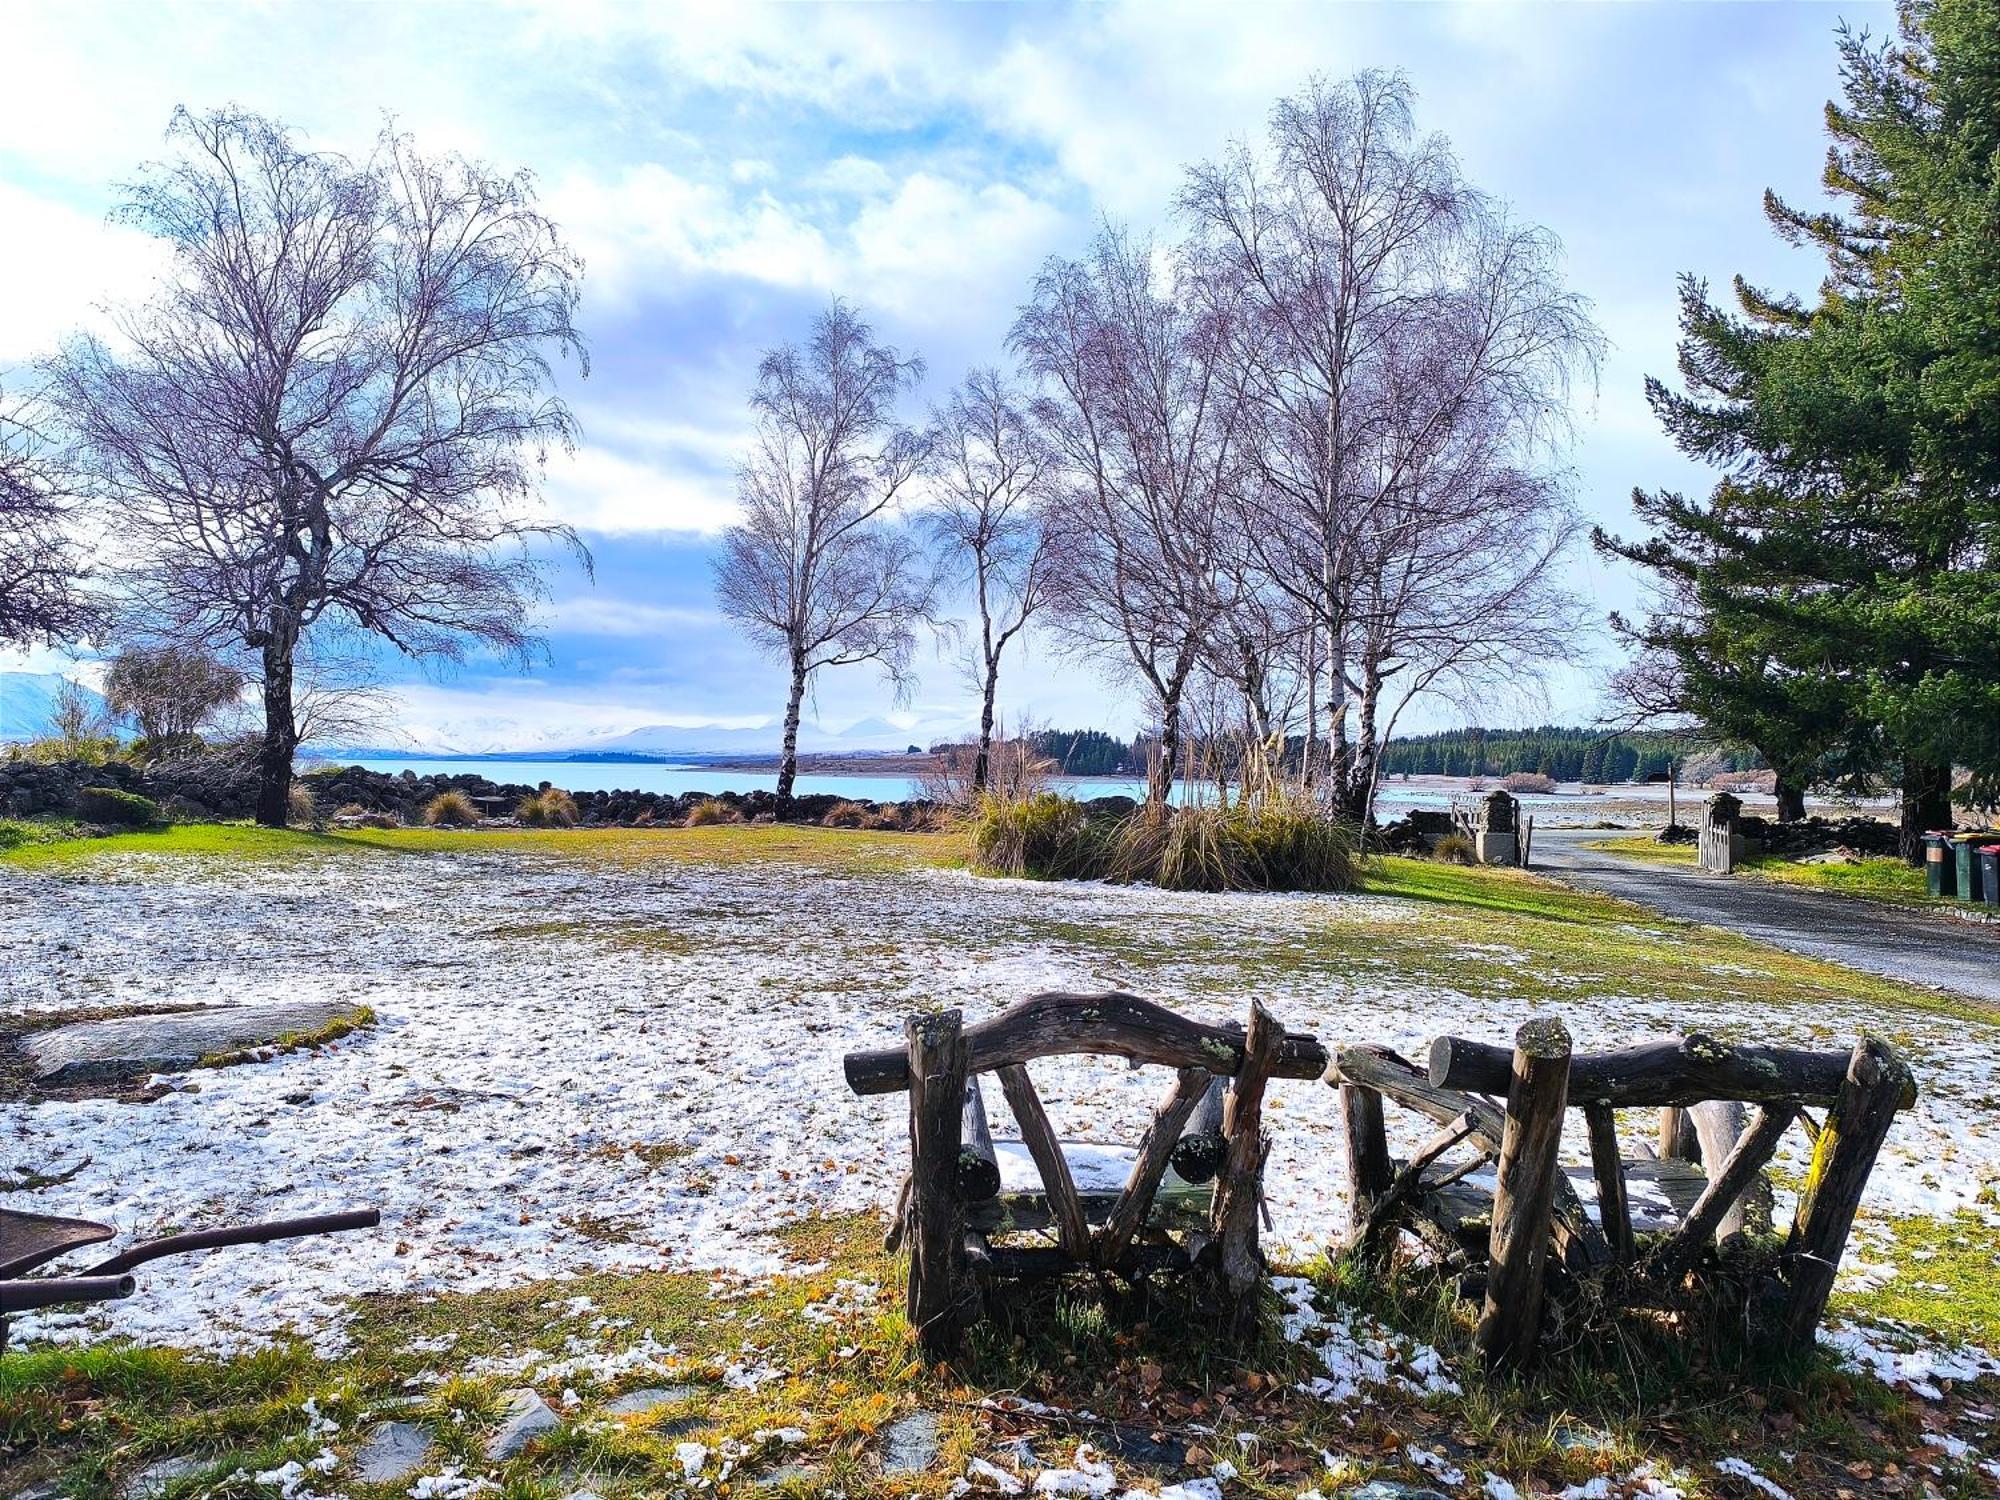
point(1543, 1037)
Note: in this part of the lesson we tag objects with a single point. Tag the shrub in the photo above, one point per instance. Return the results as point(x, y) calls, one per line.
point(1457, 849)
point(301, 810)
point(1528, 781)
point(551, 808)
point(1045, 837)
point(1299, 847)
point(850, 815)
point(712, 810)
point(451, 810)
point(1270, 846)
point(107, 804)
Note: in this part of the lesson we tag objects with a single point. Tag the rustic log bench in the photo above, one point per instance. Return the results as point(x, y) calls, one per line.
point(1187, 1195)
point(1503, 1214)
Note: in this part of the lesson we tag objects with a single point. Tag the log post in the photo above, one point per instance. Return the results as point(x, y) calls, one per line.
point(1678, 1140)
point(1072, 1228)
point(1718, 1125)
point(978, 1163)
point(1524, 1194)
point(1614, 1207)
point(1737, 1173)
point(1878, 1081)
point(1135, 1199)
point(1198, 1153)
point(1369, 1170)
point(1238, 1190)
point(937, 1056)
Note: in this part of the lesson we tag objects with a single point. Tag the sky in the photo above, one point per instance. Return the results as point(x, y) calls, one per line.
point(724, 170)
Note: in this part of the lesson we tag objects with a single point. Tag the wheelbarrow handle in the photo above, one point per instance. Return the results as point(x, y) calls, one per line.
point(240, 1234)
point(48, 1291)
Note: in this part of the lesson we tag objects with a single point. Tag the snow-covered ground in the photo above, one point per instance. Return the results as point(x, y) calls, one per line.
point(540, 1018)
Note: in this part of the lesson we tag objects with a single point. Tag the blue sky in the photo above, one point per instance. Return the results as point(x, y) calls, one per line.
point(725, 169)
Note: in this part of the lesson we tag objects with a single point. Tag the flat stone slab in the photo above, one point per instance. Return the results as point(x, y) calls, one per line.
point(152, 1481)
point(526, 1417)
point(910, 1443)
point(171, 1042)
point(394, 1451)
point(638, 1403)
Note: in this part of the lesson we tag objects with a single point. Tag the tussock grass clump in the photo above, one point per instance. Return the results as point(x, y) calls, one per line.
point(1456, 849)
point(848, 815)
point(1272, 846)
point(451, 810)
point(551, 808)
point(1046, 836)
point(301, 808)
point(711, 810)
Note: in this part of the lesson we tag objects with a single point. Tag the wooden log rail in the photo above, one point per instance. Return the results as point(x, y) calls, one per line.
point(1669, 1071)
point(1120, 1025)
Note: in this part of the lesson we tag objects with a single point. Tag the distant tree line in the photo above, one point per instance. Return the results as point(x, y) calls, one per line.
point(1563, 754)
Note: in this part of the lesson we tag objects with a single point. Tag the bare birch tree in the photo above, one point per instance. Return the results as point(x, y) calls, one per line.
point(1135, 399)
point(42, 574)
point(1386, 307)
point(819, 572)
point(334, 412)
point(990, 464)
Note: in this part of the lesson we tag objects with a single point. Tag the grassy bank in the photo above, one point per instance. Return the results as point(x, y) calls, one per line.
point(1877, 879)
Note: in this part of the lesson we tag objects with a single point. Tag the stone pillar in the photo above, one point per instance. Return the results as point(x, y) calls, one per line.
point(1498, 840)
point(1721, 846)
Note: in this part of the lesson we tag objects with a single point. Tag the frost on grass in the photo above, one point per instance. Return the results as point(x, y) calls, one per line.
point(586, 1067)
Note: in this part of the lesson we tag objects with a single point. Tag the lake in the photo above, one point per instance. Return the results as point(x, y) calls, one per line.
point(658, 776)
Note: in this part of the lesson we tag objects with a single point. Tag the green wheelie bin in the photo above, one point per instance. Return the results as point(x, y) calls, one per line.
point(1965, 856)
point(1989, 874)
point(1940, 866)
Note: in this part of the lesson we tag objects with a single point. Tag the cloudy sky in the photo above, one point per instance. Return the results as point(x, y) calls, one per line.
point(724, 170)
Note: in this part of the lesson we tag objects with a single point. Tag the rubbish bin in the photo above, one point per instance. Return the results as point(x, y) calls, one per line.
point(1989, 874)
point(1965, 855)
point(1940, 867)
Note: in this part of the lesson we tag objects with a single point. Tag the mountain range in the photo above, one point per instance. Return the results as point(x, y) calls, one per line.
point(27, 699)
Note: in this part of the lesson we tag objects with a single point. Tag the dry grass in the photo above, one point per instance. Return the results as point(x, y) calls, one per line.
point(451, 810)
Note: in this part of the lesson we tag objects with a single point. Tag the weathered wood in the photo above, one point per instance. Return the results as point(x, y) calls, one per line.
point(1524, 1194)
point(1129, 1212)
point(1058, 1186)
point(1739, 1169)
point(1198, 1153)
point(1718, 1125)
point(936, 1070)
point(892, 1239)
point(1579, 1239)
point(1669, 1070)
point(1614, 1206)
point(1239, 1188)
point(1878, 1083)
point(1677, 1138)
point(1022, 1262)
point(978, 1167)
point(1383, 1209)
point(1369, 1170)
point(1055, 1024)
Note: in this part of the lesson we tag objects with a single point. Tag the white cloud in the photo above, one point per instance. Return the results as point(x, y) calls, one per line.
point(602, 614)
point(595, 489)
point(58, 264)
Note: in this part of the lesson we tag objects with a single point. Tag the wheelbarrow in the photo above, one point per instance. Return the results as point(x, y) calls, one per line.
point(31, 1240)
